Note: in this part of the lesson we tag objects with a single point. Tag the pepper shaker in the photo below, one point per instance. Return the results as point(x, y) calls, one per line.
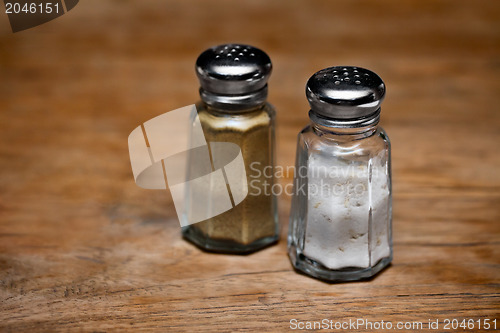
point(341, 215)
point(233, 108)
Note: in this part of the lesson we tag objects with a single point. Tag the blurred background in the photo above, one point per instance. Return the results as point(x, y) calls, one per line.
point(72, 89)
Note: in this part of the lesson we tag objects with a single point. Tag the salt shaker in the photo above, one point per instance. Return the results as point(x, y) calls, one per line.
point(341, 215)
point(233, 108)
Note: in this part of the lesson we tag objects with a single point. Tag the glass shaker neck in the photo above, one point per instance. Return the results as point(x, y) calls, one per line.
point(354, 128)
point(234, 102)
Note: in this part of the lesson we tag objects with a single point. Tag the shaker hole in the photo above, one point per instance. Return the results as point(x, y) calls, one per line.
point(357, 82)
point(337, 83)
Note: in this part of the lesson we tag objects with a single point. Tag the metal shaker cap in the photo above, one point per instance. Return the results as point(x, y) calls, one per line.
point(233, 74)
point(345, 96)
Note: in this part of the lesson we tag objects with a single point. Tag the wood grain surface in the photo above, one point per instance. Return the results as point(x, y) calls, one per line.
point(82, 248)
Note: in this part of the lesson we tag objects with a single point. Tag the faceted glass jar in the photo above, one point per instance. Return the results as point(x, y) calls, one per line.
point(253, 223)
point(340, 223)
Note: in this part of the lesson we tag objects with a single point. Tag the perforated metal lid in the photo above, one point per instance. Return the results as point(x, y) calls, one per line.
point(233, 69)
point(345, 94)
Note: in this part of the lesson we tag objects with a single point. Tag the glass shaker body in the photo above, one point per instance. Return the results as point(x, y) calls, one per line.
point(233, 109)
point(340, 222)
point(253, 223)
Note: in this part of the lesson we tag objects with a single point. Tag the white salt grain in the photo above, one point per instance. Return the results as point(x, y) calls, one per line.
point(339, 233)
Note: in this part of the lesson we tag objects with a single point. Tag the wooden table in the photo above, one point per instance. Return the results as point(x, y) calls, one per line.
point(83, 248)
